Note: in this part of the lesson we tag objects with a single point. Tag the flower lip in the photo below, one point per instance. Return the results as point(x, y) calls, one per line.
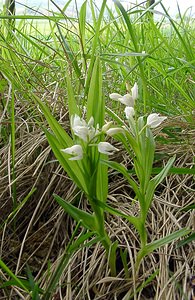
point(76, 151)
point(106, 148)
point(154, 120)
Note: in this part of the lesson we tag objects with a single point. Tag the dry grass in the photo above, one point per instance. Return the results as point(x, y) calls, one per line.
point(39, 230)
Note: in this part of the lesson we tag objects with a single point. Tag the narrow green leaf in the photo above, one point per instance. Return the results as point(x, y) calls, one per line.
point(87, 220)
point(72, 104)
point(121, 169)
point(188, 207)
point(57, 129)
point(162, 242)
point(188, 240)
point(16, 280)
point(95, 43)
point(71, 56)
point(70, 249)
point(134, 220)
point(158, 178)
point(112, 257)
point(145, 283)
point(95, 100)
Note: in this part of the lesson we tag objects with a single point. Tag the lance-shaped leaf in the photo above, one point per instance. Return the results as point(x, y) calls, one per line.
point(161, 242)
point(95, 101)
point(87, 220)
point(154, 182)
point(57, 129)
point(121, 169)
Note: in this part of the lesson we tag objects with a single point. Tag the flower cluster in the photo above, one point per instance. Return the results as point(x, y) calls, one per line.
point(127, 99)
point(88, 133)
point(153, 120)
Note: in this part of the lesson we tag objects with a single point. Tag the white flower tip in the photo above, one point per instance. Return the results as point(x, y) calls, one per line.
point(115, 96)
point(134, 91)
point(76, 151)
point(106, 148)
point(114, 130)
point(154, 120)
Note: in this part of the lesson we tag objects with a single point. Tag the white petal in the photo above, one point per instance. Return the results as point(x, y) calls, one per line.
point(127, 100)
point(153, 120)
point(81, 131)
point(129, 111)
point(77, 121)
point(113, 131)
point(75, 150)
point(134, 91)
point(115, 96)
point(106, 148)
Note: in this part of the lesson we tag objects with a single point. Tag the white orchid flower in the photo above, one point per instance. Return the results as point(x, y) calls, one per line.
point(84, 130)
point(114, 130)
point(106, 148)
point(76, 151)
point(127, 99)
point(129, 111)
point(153, 120)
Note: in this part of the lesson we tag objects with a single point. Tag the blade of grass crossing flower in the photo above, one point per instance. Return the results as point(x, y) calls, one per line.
point(135, 42)
point(95, 101)
point(79, 215)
